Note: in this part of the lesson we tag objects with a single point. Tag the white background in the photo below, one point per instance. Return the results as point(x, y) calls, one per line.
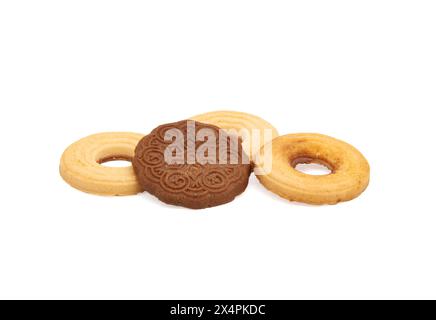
point(361, 71)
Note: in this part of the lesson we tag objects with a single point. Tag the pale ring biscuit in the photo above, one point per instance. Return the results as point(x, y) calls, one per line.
point(81, 164)
point(238, 121)
point(349, 175)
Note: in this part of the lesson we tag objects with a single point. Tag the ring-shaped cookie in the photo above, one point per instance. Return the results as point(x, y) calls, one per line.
point(233, 120)
point(349, 175)
point(81, 167)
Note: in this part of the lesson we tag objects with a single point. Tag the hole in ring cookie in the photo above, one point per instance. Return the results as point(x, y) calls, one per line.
point(311, 166)
point(115, 161)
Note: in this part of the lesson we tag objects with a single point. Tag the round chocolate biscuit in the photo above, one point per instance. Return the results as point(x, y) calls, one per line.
point(192, 164)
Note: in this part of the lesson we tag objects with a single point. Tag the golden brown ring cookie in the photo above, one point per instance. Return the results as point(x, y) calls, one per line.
point(81, 164)
point(349, 175)
point(239, 120)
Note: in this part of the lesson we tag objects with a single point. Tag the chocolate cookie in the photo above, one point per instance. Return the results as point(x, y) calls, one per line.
point(192, 164)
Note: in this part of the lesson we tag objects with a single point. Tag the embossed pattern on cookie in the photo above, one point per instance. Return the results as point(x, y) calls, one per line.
point(194, 185)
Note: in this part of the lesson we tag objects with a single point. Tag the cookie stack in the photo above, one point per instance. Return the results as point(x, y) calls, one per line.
point(206, 161)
